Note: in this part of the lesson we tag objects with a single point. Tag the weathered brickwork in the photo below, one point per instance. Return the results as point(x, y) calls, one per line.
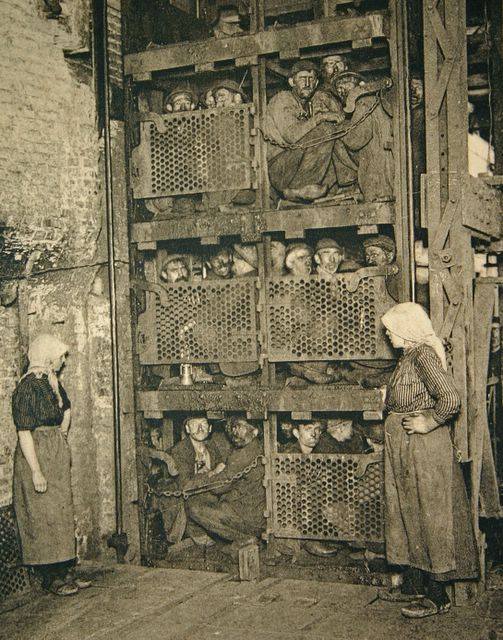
point(49, 145)
point(51, 200)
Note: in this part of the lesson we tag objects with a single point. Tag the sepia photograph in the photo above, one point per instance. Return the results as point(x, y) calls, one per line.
point(251, 288)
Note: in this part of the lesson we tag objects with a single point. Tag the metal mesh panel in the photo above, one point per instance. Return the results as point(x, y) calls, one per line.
point(316, 319)
point(200, 151)
point(322, 496)
point(13, 578)
point(213, 321)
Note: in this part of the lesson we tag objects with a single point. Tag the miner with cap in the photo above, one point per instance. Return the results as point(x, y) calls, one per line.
point(227, 23)
point(234, 510)
point(197, 458)
point(300, 125)
point(299, 259)
point(380, 250)
point(181, 98)
point(369, 139)
point(331, 67)
point(298, 262)
point(174, 269)
point(219, 264)
point(245, 261)
point(329, 258)
point(227, 93)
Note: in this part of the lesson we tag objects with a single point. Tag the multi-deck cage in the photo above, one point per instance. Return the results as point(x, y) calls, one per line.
point(185, 170)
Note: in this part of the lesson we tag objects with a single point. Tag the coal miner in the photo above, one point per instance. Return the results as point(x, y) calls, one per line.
point(278, 253)
point(245, 261)
point(299, 259)
point(197, 458)
point(329, 259)
point(380, 250)
point(181, 98)
point(219, 264)
point(234, 511)
point(174, 269)
point(227, 23)
point(370, 140)
point(227, 93)
point(331, 67)
point(300, 125)
point(306, 437)
point(299, 262)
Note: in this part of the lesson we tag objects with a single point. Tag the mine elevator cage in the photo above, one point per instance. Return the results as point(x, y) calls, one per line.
point(252, 320)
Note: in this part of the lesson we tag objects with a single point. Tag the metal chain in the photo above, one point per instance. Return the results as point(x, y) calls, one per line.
point(186, 493)
point(319, 141)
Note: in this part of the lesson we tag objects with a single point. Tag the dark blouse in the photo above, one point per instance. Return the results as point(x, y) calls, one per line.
point(419, 382)
point(34, 403)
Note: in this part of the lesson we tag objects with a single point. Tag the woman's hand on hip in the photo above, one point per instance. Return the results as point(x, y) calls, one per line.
point(39, 482)
point(418, 423)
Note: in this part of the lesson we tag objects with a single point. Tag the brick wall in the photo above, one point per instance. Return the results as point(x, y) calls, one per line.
point(51, 202)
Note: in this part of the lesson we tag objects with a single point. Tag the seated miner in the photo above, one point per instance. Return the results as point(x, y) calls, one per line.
point(305, 163)
point(369, 139)
point(174, 269)
point(329, 259)
point(278, 254)
point(298, 262)
point(331, 67)
point(219, 264)
point(299, 259)
point(227, 23)
point(343, 435)
point(227, 93)
point(380, 251)
point(197, 458)
point(234, 511)
point(181, 98)
point(305, 436)
point(207, 99)
point(244, 261)
point(307, 439)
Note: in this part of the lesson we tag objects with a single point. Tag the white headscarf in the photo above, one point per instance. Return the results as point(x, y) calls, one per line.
point(410, 322)
point(43, 351)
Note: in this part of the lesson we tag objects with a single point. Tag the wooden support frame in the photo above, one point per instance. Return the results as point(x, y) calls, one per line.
point(263, 42)
point(450, 249)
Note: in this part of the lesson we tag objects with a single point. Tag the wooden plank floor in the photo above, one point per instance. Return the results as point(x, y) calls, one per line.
point(133, 603)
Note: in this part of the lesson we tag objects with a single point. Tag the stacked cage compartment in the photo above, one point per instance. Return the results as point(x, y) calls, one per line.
point(264, 324)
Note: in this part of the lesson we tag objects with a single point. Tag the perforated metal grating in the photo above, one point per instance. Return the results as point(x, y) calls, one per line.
point(13, 577)
point(316, 319)
point(200, 152)
point(212, 321)
point(321, 496)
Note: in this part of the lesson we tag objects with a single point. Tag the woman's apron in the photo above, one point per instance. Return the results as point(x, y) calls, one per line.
point(428, 522)
point(45, 520)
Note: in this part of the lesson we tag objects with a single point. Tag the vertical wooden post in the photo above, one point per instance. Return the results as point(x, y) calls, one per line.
point(451, 262)
point(404, 224)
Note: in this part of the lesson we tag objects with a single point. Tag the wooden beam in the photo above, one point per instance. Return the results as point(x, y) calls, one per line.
point(273, 40)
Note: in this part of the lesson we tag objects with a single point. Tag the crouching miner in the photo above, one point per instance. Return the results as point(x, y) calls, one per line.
point(234, 509)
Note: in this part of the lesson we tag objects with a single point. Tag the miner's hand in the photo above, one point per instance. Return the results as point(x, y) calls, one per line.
point(330, 116)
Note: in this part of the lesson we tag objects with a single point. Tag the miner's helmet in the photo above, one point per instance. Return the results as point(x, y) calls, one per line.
point(230, 85)
point(327, 243)
point(303, 65)
point(227, 13)
point(348, 75)
point(248, 253)
point(181, 89)
point(382, 241)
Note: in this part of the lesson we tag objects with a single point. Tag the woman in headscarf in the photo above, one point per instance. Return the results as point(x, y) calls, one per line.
point(428, 524)
point(42, 484)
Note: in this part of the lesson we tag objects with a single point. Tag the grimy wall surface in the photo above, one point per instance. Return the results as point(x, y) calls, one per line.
point(54, 239)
